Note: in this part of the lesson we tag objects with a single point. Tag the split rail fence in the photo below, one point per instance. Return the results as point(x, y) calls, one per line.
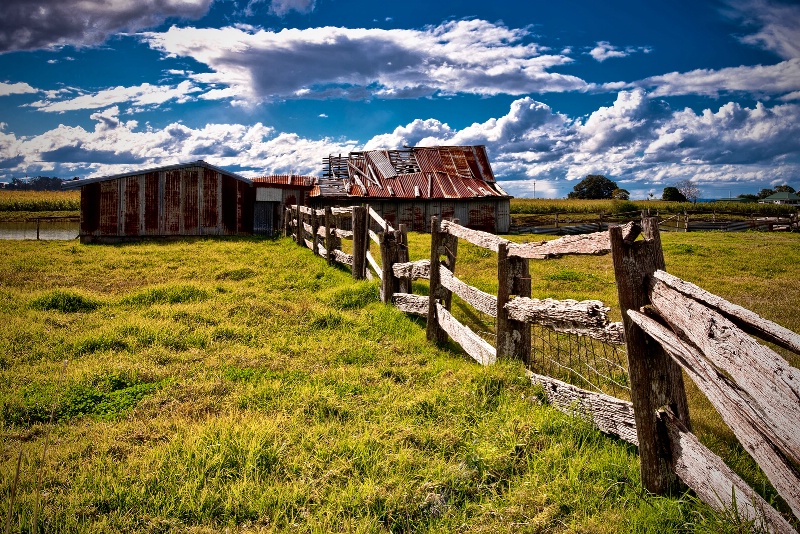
point(670, 329)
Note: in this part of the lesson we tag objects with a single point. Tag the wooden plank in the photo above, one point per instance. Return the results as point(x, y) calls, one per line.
point(343, 257)
point(309, 244)
point(766, 377)
point(481, 301)
point(374, 265)
point(380, 221)
point(343, 234)
point(374, 237)
point(476, 237)
point(474, 345)
point(413, 270)
point(568, 312)
point(342, 211)
point(738, 409)
point(306, 210)
point(409, 303)
point(609, 414)
point(743, 318)
point(714, 482)
point(656, 380)
point(322, 250)
point(592, 244)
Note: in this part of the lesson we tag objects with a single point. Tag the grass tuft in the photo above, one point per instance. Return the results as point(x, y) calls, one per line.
point(167, 295)
point(65, 302)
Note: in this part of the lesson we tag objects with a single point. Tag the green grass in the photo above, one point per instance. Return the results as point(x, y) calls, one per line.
point(243, 384)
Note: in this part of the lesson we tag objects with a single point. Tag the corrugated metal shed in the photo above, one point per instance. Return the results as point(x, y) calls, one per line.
point(273, 194)
point(189, 199)
point(411, 185)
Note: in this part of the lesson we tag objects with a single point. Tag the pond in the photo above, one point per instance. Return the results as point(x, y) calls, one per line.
point(49, 230)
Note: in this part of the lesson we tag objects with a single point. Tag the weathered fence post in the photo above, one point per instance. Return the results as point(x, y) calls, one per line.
point(513, 278)
point(389, 283)
point(656, 380)
point(401, 235)
point(300, 230)
point(360, 238)
point(434, 332)
point(315, 231)
point(329, 235)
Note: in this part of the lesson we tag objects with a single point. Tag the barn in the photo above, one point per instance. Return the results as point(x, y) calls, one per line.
point(273, 194)
point(411, 185)
point(192, 199)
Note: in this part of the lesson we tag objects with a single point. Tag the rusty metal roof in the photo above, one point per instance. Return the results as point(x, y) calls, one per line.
point(286, 179)
point(414, 172)
point(74, 184)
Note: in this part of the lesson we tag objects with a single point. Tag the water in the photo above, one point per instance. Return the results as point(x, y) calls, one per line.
point(49, 230)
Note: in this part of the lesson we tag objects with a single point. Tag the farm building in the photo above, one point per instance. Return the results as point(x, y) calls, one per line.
point(192, 199)
point(784, 197)
point(411, 185)
point(273, 194)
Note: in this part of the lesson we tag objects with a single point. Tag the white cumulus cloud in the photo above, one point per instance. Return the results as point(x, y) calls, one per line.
point(465, 56)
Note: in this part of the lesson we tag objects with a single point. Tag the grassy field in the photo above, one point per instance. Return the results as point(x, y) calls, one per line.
point(243, 384)
point(20, 205)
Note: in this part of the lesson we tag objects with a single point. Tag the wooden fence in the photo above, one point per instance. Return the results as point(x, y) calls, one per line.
point(670, 329)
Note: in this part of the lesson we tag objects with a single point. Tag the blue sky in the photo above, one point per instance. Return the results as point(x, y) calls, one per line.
point(645, 93)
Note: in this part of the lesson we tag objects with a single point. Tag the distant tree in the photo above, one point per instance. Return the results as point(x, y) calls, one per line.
point(673, 195)
point(784, 189)
point(689, 190)
point(621, 194)
point(764, 193)
point(594, 186)
point(39, 183)
point(748, 197)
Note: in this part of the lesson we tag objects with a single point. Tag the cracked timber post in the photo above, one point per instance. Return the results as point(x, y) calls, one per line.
point(656, 380)
point(513, 278)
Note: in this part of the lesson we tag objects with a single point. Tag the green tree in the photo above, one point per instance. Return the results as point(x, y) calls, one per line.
point(673, 195)
point(784, 189)
point(764, 193)
point(621, 194)
point(594, 186)
point(748, 197)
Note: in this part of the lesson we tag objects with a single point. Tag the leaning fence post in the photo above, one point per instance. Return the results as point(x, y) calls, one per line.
point(359, 216)
point(434, 332)
point(656, 380)
point(513, 278)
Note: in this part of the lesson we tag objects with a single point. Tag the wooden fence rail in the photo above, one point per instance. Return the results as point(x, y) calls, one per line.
point(670, 327)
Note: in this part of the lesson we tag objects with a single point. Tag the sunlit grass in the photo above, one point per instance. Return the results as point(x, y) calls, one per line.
point(244, 384)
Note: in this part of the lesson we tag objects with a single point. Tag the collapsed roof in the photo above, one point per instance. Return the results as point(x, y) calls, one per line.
point(413, 172)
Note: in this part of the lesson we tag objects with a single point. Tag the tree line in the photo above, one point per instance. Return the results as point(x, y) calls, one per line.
point(598, 187)
point(38, 183)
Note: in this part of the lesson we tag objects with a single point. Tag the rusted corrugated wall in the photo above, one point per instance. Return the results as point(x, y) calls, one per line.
point(489, 214)
point(190, 200)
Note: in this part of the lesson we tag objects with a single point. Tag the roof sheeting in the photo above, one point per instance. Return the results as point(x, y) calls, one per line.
point(418, 172)
point(73, 184)
point(286, 179)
